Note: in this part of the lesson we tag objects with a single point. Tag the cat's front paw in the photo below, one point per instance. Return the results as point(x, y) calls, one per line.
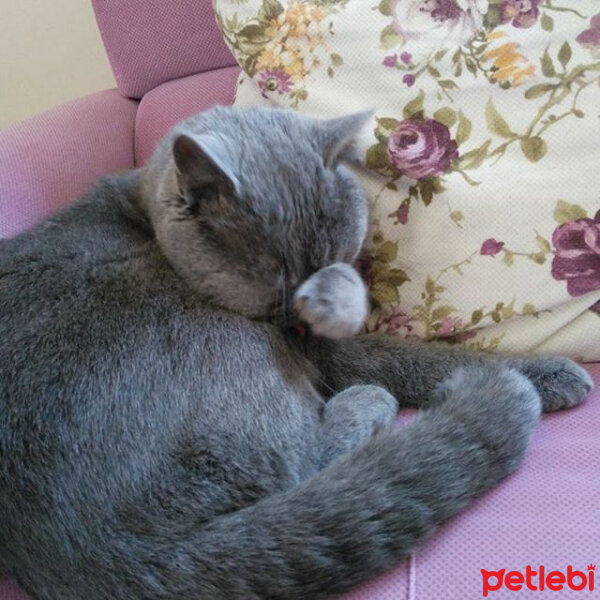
point(560, 382)
point(333, 301)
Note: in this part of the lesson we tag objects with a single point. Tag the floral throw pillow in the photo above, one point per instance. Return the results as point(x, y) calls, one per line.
point(482, 162)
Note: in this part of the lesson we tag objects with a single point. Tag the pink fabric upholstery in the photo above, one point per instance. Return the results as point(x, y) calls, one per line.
point(546, 514)
point(164, 106)
point(9, 590)
point(52, 159)
point(152, 41)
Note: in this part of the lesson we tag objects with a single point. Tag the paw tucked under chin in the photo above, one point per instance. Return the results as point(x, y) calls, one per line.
point(333, 301)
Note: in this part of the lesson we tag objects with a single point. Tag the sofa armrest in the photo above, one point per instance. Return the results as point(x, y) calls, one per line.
point(50, 160)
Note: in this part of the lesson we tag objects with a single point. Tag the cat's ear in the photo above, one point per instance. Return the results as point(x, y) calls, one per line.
point(203, 162)
point(336, 135)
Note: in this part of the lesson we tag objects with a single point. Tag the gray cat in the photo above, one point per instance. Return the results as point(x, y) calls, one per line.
point(165, 435)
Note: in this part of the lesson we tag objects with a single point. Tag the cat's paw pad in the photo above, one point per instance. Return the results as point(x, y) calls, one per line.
point(333, 301)
point(561, 382)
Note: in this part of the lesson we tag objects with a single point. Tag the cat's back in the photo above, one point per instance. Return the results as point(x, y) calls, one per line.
point(87, 296)
point(89, 259)
point(119, 386)
point(68, 249)
point(72, 294)
point(103, 344)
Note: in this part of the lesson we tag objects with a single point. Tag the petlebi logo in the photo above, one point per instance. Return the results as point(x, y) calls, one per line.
point(539, 580)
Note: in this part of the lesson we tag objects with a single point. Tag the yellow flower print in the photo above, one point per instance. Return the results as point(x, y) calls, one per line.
point(517, 77)
point(293, 64)
point(299, 16)
point(303, 47)
point(509, 67)
point(277, 29)
point(270, 57)
point(281, 51)
point(295, 37)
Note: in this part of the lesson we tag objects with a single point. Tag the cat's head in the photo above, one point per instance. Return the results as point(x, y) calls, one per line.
point(256, 209)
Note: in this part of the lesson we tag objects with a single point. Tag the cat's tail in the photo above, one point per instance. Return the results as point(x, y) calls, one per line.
point(364, 512)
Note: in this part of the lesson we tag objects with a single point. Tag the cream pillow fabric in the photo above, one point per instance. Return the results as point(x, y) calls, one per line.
point(482, 163)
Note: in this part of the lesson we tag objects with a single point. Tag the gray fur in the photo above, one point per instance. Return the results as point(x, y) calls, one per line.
point(352, 417)
point(163, 436)
point(333, 301)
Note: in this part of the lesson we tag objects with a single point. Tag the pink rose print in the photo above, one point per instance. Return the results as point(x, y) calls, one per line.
point(590, 38)
point(491, 247)
point(409, 79)
point(449, 326)
point(390, 61)
point(461, 336)
point(394, 322)
point(438, 23)
point(522, 13)
point(577, 255)
point(274, 80)
point(451, 331)
point(401, 214)
point(421, 149)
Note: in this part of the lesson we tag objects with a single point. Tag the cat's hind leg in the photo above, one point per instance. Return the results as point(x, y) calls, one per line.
point(352, 416)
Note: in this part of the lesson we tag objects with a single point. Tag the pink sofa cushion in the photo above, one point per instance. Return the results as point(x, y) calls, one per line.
point(166, 105)
point(53, 158)
point(9, 590)
point(545, 514)
point(149, 42)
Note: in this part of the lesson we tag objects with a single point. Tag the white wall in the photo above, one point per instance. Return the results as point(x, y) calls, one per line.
point(50, 51)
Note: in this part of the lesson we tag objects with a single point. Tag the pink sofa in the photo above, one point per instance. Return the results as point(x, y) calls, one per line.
point(170, 62)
